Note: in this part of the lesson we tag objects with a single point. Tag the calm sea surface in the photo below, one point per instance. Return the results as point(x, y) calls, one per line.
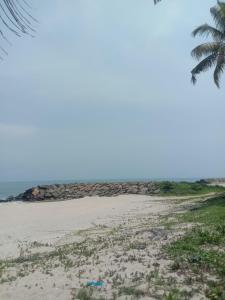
point(15, 188)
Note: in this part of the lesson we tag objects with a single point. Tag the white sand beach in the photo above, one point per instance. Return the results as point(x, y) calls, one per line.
point(50, 250)
point(51, 222)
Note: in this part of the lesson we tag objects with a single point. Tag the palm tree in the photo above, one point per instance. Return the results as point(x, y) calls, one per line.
point(213, 53)
point(15, 17)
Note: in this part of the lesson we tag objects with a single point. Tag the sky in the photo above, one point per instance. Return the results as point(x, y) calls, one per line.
point(103, 92)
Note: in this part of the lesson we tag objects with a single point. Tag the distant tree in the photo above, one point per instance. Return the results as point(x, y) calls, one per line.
point(15, 17)
point(213, 53)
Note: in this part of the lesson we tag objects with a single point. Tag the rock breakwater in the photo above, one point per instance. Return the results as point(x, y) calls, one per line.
point(80, 190)
point(214, 180)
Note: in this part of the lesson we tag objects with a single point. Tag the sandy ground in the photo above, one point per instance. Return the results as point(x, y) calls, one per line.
point(49, 222)
point(218, 183)
point(58, 246)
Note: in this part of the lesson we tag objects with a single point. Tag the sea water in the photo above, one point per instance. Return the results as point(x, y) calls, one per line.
point(15, 188)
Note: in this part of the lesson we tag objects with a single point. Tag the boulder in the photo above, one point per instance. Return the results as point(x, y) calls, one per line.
point(73, 191)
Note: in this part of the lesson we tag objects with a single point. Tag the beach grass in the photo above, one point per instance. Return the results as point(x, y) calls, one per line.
point(169, 188)
point(201, 251)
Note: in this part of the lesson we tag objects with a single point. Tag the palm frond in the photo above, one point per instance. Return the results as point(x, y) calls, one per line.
point(206, 30)
point(215, 50)
point(220, 66)
point(16, 18)
point(205, 49)
point(218, 14)
point(203, 66)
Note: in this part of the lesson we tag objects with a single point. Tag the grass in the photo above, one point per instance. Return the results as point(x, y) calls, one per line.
point(202, 249)
point(131, 291)
point(169, 188)
point(84, 294)
point(26, 263)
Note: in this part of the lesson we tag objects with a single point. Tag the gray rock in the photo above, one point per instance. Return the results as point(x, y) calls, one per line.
point(75, 191)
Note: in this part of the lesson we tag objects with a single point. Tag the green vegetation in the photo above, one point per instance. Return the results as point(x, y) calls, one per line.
point(202, 250)
point(176, 294)
point(84, 294)
point(169, 188)
point(131, 291)
point(211, 54)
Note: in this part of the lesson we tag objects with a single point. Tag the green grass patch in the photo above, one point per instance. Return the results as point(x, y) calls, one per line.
point(84, 294)
point(170, 188)
point(131, 291)
point(202, 249)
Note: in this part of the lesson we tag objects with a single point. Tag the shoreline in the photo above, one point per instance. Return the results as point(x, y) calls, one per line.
point(64, 191)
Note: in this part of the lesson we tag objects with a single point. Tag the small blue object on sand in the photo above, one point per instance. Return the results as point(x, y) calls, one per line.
point(98, 283)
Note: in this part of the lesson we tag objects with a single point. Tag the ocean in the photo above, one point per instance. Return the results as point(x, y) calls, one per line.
point(15, 188)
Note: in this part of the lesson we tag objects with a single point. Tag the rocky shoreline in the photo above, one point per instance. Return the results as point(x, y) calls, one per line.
point(80, 190)
point(214, 181)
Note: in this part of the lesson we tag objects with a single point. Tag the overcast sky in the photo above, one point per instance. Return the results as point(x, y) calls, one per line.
point(103, 92)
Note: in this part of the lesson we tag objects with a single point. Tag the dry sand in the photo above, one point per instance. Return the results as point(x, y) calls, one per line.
point(59, 246)
point(49, 222)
